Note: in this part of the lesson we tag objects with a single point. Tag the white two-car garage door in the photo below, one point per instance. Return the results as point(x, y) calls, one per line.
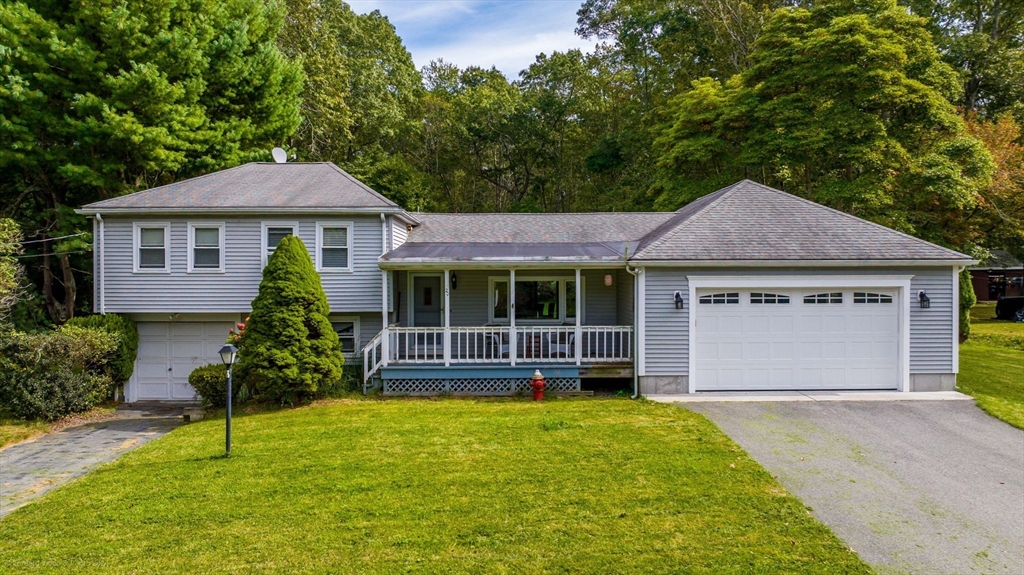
point(168, 352)
point(789, 339)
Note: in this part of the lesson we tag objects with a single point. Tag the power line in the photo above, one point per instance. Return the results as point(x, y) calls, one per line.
point(45, 240)
point(53, 254)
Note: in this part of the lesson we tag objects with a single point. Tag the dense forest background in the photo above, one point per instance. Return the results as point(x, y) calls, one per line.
point(905, 112)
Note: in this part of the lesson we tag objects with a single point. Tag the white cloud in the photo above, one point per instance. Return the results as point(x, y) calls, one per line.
point(507, 35)
point(510, 53)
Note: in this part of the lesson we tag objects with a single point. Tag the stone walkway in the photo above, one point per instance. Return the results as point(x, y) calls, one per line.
point(30, 469)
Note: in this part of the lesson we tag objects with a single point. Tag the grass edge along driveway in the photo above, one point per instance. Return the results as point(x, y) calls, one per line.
point(453, 485)
point(992, 365)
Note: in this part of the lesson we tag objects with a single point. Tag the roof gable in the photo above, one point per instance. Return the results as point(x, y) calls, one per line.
point(749, 221)
point(254, 186)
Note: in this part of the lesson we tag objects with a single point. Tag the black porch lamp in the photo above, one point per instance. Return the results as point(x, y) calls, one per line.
point(678, 299)
point(227, 355)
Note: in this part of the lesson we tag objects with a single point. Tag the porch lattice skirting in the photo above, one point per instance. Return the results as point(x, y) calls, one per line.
point(475, 386)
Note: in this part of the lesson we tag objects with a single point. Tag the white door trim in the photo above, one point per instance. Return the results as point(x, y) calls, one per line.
point(900, 283)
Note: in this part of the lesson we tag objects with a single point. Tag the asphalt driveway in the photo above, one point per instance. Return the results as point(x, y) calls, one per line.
point(912, 487)
point(30, 469)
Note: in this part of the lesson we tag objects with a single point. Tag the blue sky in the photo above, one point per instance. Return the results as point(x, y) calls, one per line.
point(507, 34)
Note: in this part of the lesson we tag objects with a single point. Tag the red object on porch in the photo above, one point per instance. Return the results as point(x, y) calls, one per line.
point(537, 383)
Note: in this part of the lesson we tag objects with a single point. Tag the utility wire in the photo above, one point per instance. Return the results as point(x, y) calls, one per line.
point(45, 240)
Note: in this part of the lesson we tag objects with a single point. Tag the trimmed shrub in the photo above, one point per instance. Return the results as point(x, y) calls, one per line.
point(123, 363)
point(54, 374)
point(211, 382)
point(289, 351)
point(967, 301)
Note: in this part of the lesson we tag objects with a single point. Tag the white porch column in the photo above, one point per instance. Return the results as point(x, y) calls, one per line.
point(579, 314)
point(512, 316)
point(447, 319)
point(385, 340)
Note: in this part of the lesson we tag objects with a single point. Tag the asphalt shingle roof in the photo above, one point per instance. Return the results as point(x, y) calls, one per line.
point(292, 185)
point(576, 228)
point(750, 221)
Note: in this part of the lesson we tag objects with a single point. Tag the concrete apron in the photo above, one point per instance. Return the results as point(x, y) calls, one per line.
point(773, 396)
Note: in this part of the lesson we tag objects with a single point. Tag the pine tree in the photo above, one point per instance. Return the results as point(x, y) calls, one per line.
point(289, 351)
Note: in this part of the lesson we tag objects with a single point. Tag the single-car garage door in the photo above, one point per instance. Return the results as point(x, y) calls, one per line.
point(168, 352)
point(786, 339)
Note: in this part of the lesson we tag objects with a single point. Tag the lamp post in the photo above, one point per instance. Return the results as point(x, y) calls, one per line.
point(227, 355)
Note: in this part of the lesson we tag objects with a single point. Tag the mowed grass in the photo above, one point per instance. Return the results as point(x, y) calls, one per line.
point(14, 430)
point(994, 376)
point(988, 330)
point(439, 486)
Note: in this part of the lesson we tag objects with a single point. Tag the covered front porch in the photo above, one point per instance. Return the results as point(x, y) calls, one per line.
point(465, 330)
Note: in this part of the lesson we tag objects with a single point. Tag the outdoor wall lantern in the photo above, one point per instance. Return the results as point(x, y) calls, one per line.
point(227, 355)
point(680, 302)
point(608, 279)
point(454, 279)
point(922, 298)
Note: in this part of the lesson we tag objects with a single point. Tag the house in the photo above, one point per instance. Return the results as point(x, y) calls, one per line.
point(748, 288)
point(997, 277)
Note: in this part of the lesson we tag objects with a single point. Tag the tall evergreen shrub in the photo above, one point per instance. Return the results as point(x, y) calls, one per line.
point(289, 350)
point(967, 301)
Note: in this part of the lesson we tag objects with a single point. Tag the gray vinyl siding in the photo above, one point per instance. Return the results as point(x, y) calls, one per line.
point(624, 297)
point(398, 232)
point(666, 337)
point(233, 290)
point(932, 329)
point(600, 301)
point(667, 347)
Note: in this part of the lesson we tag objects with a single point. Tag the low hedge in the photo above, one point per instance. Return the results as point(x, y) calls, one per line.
point(211, 383)
point(54, 374)
point(123, 364)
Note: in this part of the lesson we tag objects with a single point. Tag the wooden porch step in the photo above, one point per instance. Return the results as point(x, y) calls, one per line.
point(574, 393)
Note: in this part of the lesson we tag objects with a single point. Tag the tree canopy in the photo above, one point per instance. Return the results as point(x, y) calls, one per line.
point(847, 104)
point(99, 100)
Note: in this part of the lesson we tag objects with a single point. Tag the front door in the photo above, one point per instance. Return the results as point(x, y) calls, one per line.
point(427, 301)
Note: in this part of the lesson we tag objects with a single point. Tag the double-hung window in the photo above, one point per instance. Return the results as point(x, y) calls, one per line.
point(206, 247)
point(273, 233)
point(152, 247)
point(334, 246)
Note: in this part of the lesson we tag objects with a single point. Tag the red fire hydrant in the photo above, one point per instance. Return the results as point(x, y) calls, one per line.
point(537, 384)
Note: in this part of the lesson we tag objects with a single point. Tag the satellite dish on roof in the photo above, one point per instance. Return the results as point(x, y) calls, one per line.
point(280, 156)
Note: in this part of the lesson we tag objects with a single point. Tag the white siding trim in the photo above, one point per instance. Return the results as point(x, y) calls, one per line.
point(641, 323)
point(901, 283)
point(136, 244)
point(956, 319)
point(318, 248)
point(191, 247)
point(263, 236)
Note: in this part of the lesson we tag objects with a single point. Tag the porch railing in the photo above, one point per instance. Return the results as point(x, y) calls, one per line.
point(498, 345)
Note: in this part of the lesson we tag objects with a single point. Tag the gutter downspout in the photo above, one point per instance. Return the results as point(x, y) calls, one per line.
point(384, 296)
point(636, 328)
point(100, 264)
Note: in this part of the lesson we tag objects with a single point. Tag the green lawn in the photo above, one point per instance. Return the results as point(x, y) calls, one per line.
point(986, 329)
point(992, 365)
point(452, 485)
point(995, 377)
point(13, 430)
